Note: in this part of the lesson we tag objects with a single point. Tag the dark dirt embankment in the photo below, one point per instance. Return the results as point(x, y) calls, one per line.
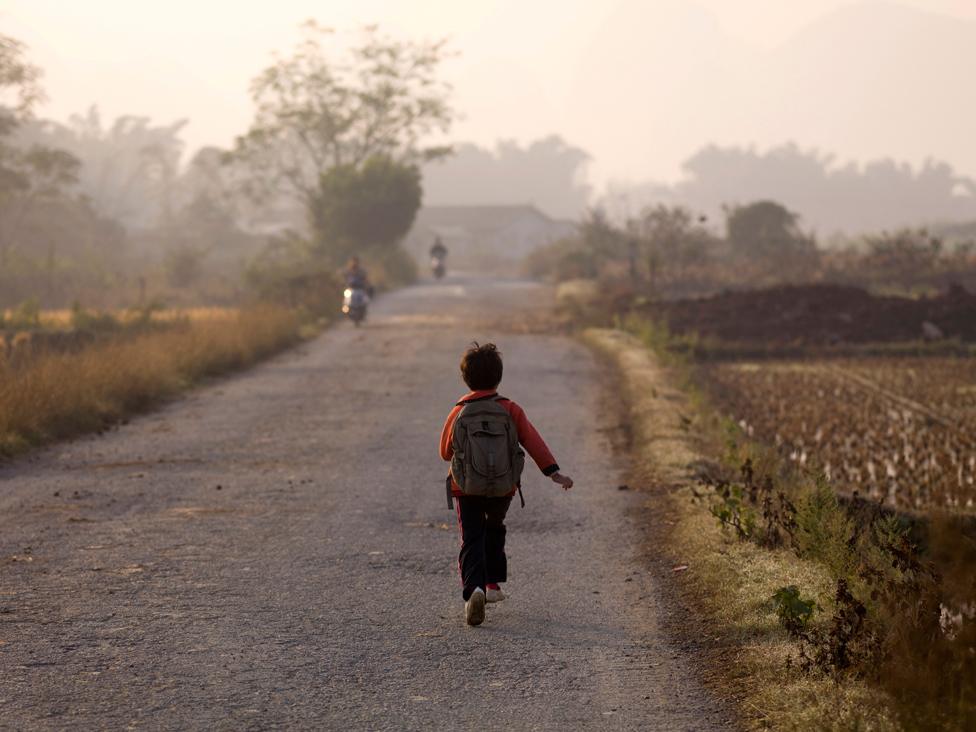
point(822, 315)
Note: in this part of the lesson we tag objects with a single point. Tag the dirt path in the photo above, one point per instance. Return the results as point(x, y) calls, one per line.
point(275, 550)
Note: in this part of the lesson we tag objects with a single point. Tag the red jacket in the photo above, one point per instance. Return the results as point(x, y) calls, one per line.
point(528, 437)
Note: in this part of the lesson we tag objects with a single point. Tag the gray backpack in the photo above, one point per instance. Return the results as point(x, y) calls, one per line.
point(487, 458)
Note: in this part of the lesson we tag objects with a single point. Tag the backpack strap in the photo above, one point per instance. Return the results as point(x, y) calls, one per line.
point(486, 397)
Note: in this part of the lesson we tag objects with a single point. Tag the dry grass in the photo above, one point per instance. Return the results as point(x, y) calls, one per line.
point(734, 581)
point(57, 395)
point(63, 319)
point(729, 583)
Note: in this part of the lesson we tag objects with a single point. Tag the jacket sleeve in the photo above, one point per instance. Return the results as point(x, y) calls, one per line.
point(532, 441)
point(447, 452)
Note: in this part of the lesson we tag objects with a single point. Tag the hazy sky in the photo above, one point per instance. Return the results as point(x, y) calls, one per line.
point(525, 68)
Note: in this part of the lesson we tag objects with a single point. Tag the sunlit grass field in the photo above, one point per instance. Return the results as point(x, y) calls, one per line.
point(52, 395)
point(64, 319)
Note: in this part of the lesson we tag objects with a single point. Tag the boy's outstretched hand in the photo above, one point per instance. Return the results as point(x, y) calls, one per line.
point(564, 480)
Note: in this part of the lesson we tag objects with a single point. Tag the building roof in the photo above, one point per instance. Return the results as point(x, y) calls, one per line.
point(477, 217)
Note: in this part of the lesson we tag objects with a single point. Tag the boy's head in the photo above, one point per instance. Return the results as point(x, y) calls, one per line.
point(481, 367)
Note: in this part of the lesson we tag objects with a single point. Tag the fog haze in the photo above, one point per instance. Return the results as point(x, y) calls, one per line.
point(640, 86)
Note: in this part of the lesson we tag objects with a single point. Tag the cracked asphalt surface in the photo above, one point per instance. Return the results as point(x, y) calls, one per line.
point(275, 551)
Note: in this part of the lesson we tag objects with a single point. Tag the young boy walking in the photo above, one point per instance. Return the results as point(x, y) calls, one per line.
point(483, 438)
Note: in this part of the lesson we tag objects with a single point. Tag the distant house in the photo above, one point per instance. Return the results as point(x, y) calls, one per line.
point(484, 236)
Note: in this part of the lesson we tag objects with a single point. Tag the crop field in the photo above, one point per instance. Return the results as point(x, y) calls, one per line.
point(898, 430)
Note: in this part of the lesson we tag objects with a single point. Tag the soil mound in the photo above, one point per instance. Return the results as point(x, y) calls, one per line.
point(823, 315)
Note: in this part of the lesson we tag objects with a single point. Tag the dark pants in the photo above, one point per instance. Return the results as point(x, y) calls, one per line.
point(482, 523)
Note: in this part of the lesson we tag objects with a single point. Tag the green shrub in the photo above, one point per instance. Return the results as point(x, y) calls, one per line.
point(86, 320)
point(793, 611)
point(823, 528)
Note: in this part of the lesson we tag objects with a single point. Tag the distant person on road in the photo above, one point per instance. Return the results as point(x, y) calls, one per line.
point(483, 438)
point(355, 276)
point(438, 256)
point(438, 250)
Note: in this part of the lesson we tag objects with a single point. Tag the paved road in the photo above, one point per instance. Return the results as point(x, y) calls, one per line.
point(275, 551)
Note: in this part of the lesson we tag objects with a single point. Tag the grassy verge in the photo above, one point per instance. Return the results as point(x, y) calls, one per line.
point(58, 395)
point(729, 584)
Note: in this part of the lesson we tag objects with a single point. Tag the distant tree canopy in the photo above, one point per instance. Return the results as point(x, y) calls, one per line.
point(673, 235)
point(903, 257)
point(881, 194)
point(766, 230)
point(359, 207)
point(661, 242)
point(32, 176)
point(316, 112)
point(129, 169)
point(20, 87)
point(548, 173)
point(831, 197)
point(25, 170)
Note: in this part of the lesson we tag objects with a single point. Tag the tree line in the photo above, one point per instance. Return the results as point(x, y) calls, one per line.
point(837, 199)
point(90, 210)
point(672, 252)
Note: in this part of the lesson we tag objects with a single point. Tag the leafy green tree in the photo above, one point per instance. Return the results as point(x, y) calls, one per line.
point(20, 89)
point(672, 237)
point(902, 257)
point(317, 111)
point(766, 230)
point(598, 244)
point(371, 206)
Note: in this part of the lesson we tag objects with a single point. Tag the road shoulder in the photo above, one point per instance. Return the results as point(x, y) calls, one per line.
point(719, 587)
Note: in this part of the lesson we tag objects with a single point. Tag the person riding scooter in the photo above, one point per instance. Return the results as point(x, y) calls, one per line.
point(355, 298)
point(355, 276)
point(438, 255)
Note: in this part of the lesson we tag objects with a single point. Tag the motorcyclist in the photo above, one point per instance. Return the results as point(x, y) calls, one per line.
point(438, 250)
point(356, 277)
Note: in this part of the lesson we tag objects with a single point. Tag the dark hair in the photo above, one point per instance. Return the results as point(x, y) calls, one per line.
point(481, 367)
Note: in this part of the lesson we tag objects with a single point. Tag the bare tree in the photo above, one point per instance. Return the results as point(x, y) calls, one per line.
point(318, 110)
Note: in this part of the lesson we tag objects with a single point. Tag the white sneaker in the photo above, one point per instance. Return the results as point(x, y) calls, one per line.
point(493, 595)
point(474, 608)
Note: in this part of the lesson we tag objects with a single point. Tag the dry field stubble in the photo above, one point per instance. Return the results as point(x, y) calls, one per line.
point(900, 431)
point(55, 395)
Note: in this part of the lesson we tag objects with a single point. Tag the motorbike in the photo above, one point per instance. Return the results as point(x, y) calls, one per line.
point(355, 300)
point(438, 267)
